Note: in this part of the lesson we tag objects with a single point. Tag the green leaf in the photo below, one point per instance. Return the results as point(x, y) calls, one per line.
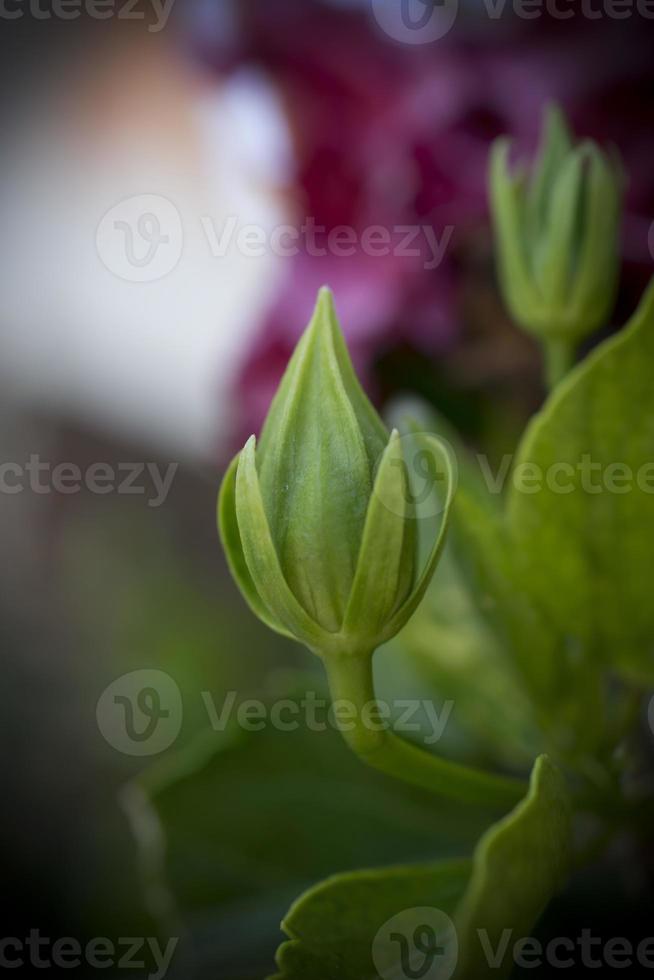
point(234, 826)
point(563, 577)
point(482, 546)
point(517, 867)
point(334, 925)
point(584, 555)
point(461, 657)
point(457, 645)
point(519, 864)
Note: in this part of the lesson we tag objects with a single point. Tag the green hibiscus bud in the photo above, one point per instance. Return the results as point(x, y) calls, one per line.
point(556, 231)
point(318, 525)
point(316, 518)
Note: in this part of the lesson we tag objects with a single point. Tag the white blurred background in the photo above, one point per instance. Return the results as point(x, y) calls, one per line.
point(150, 360)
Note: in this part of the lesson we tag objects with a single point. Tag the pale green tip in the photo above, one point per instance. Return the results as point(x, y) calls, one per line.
point(324, 319)
point(324, 303)
point(555, 126)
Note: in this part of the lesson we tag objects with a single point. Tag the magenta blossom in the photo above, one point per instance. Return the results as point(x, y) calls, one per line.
point(397, 136)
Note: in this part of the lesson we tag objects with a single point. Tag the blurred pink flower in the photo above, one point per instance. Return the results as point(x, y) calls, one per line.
point(395, 135)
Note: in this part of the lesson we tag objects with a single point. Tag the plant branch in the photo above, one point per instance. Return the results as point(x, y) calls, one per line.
point(367, 733)
point(559, 358)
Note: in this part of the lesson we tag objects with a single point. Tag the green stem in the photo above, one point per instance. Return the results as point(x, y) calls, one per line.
point(559, 358)
point(367, 733)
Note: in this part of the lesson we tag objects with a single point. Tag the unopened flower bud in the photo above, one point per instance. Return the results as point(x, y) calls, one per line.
point(314, 518)
point(556, 230)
